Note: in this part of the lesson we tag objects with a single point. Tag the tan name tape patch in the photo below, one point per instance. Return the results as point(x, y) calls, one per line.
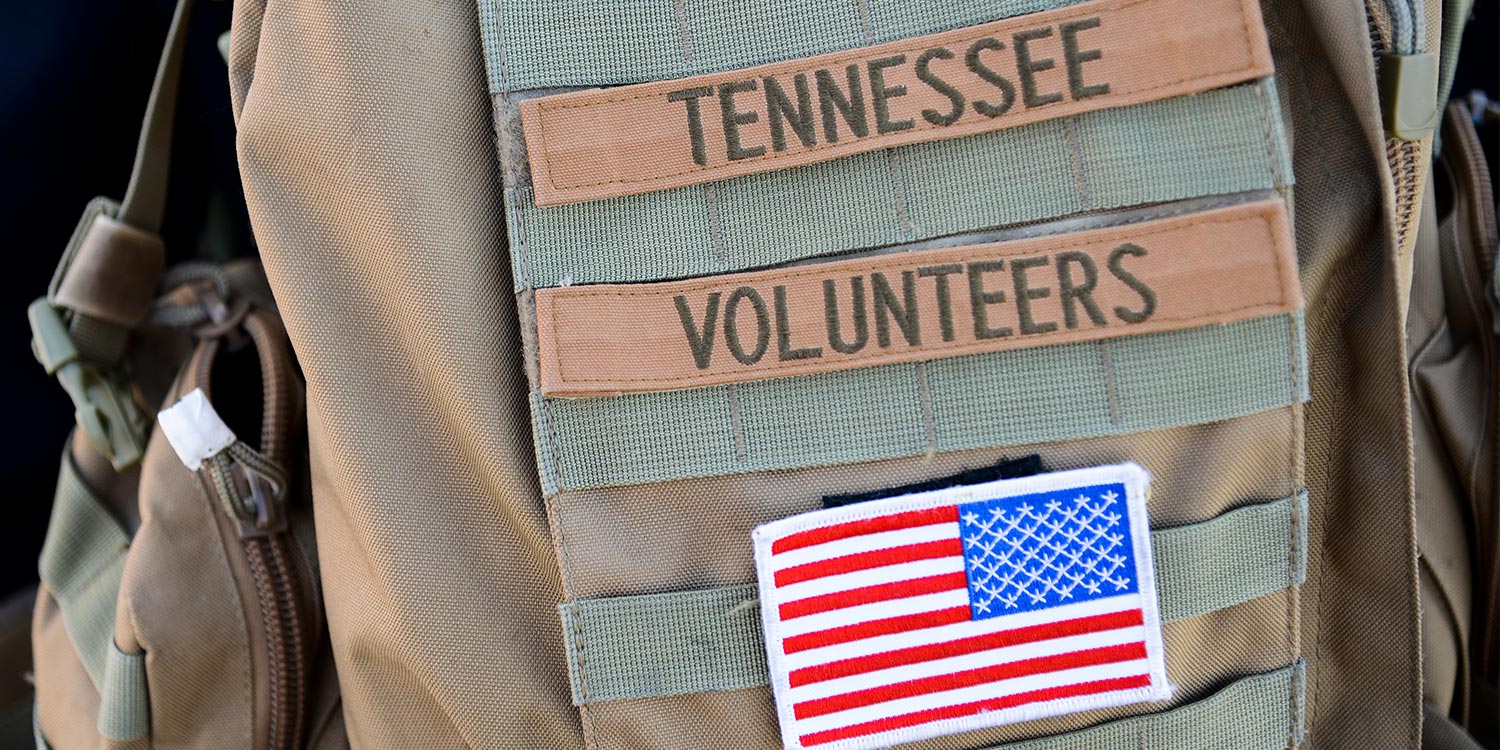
point(603, 143)
point(1216, 266)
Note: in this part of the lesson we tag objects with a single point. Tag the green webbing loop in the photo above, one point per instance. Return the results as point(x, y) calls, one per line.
point(82, 562)
point(1255, 713)
point(36, 730)
point(629, 647)
point(102, 400)
point(124, 703)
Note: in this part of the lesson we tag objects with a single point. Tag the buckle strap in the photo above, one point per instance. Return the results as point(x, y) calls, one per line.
point(103, 401)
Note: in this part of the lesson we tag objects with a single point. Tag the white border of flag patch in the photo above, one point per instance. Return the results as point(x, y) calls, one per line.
point(912, 617)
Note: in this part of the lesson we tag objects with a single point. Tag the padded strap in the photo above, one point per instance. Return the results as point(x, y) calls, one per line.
point(82, 562)
point(628, 647)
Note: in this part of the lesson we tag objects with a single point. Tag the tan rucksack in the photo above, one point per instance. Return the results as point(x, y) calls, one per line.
point(180, 600)
point(721, 375)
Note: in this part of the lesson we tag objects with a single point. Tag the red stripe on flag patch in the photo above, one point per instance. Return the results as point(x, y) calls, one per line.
point(810, 537)
point(955, 680)
point(878, 593)
point(872, 559)
point(967, 709)
point(872, 628)
point(975, 644)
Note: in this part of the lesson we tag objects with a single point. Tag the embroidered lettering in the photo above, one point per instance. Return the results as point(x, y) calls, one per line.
point(1213, 267)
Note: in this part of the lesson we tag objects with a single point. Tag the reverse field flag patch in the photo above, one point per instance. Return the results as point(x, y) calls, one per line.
point(938, 612)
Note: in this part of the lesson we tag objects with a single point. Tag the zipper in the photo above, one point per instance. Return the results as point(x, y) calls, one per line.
point(251, 489)
point(1396, 34)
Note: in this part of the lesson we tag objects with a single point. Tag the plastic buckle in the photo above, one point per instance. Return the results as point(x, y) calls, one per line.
point(106, 410)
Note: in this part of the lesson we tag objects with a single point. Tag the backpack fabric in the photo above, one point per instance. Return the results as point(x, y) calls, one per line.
point(508, 559)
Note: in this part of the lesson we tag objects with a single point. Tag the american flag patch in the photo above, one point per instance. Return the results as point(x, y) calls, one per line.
point(917, 616)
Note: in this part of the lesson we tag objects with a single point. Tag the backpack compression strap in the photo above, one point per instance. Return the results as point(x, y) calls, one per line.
point(107, 278)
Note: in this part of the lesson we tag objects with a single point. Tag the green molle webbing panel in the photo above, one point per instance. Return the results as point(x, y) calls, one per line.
point(1066, 392)
point(1215, 143)
point(534, 44)
point(82, 562)
point(627, 647)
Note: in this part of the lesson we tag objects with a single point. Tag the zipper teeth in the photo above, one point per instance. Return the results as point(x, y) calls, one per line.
point(277, 592)
point(268, 558)
point(1403, 156)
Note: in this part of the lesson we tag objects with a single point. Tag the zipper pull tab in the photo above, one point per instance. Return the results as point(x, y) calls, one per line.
point(1408, 95)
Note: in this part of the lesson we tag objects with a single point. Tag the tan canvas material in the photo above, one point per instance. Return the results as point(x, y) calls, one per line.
point(368, 136)
point(1453, 418)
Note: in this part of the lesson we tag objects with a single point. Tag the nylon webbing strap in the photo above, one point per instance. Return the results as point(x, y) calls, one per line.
point(1065, 392)
point(146, 195)
point(1220, 142)
point(531, 44)
point(124, 703)
point(627, 647)
point(1236, 557)
point(82, 562)
point(1253, 713)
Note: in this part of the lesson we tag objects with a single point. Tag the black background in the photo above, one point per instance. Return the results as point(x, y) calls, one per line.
point(74, 76)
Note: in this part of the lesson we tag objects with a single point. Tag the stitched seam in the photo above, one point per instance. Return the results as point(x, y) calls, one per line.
point(684, 38)
point(543, 107)
point(552, 444)
point(894, 164)
point(1294, 590)
point(1075, 155)
point(865, 27)
point(553, 507)
point(900, 356)
point(500, 59)
point(1111, 391)
point(1263, 113)
point(715, 230)
point(929, 412)
point(737, 424)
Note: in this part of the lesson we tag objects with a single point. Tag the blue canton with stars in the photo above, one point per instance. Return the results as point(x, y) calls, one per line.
point(1037, 551)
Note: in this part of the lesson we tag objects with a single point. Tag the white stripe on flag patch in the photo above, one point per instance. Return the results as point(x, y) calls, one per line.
point(950, 633)
point(865, 543)
point(992, 657)
point(911, 617)
point(884, 574)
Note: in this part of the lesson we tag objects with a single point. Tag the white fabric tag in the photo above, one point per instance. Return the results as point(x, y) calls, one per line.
point(902, 619)
point(194, 429)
